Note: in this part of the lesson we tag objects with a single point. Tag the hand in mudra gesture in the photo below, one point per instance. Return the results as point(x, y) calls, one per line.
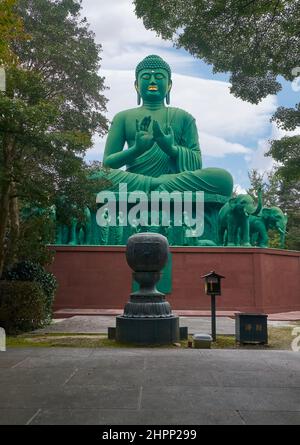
point(164, 140)
point(143, 138)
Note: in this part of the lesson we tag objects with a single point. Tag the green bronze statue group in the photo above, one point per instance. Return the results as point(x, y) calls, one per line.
point(163, 154)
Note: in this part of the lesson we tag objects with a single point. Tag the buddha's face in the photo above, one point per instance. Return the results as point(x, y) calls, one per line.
point(153, 84)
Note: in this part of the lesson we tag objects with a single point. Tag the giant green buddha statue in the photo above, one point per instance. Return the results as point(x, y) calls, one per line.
point(163, 150)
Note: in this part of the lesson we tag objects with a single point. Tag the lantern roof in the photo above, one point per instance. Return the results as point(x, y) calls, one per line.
point(212, 273)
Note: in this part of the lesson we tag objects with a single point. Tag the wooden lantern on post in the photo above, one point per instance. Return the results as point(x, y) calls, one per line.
point(213, 288)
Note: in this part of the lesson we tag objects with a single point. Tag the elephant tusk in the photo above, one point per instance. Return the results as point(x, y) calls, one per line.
point(281, 230)
point(247, 212)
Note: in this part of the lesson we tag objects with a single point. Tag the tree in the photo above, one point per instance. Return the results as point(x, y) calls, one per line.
point(11, 29)
point(255, 40)
point(268, 182)
point(280, 193)
point(287, 150)
point(289, 201)
point(51, 109)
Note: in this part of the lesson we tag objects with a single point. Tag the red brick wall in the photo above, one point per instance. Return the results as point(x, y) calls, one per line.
point(256, 279)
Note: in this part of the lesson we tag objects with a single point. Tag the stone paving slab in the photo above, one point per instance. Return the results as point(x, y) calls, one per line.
point(100, 324)
point(92, 324)
point(287, 316)
point(283, 316)
point(134, 417)
point(271, 417)
point(77, 362)
point(149, 386)
point(34, 376)
point(233, 398)
point(16, 416)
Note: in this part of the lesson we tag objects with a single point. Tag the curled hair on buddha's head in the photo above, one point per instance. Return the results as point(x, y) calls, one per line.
point(152, 62)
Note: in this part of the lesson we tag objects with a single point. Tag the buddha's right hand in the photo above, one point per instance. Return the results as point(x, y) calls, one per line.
point(143, 139)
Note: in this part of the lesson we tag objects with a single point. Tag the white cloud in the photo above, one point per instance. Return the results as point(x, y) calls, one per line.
point(122, 35)
point(221, 118)
point(217, 111)
point(218, 147)
point(278, 133)
point(96, 153)
point(257, 159)
point(239, 189)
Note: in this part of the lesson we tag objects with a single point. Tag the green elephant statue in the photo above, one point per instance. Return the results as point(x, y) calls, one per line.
point(76, 232)
point(270, 218)
point(80, 231)
point(233, 220)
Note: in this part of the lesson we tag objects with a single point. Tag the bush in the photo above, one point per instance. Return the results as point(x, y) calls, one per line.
point(22, 306)
point(28, 271)
point(37, 231)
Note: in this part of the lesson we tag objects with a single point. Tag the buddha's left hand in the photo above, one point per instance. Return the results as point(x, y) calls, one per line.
point(166, 140)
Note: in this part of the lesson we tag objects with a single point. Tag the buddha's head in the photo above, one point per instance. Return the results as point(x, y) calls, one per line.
point(153, 79)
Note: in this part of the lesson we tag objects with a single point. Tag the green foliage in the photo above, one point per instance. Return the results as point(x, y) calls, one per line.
point(287, 152)
point(28, 271)
point(293, 236)
point(287, 118)
point(268, 182)
point(253, 88)
point(75, 195)
point(289, 202)
point(53, 103)
point(11, 29)
point(254, 40)
point(51, 109)
point(284, 194)
point(274, 239)
point(67, 59)
point(22, 306)
point(36, 233)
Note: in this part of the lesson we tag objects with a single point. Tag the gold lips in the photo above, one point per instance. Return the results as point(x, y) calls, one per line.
point(152, 88)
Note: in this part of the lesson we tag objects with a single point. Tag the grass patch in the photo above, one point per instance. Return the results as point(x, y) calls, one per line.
point(56, 340)
point(67, 340)
point(279, 338)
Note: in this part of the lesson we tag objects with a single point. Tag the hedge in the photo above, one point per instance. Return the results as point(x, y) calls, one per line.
point(22, 306)
point(29, 271)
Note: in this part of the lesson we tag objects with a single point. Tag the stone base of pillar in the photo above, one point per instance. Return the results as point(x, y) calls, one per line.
point(147, 331)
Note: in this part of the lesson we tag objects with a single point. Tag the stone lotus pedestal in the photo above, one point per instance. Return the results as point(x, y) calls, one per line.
point(147, 317)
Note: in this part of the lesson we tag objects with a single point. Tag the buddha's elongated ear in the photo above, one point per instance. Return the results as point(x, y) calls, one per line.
point(168, 93)
point(138, 93)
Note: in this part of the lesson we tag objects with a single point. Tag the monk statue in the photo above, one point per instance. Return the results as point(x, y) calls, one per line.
point(163, 150)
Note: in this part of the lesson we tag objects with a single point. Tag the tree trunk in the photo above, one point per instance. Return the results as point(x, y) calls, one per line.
point(14, 218)
point(8, 146)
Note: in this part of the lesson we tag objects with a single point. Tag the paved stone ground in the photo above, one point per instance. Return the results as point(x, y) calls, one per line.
point(99, 324)
point(149, 386)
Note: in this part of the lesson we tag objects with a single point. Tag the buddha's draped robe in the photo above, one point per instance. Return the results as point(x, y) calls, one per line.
point(182, 173)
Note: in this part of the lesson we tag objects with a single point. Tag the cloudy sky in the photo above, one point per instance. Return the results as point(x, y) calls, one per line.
point(233, 134)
